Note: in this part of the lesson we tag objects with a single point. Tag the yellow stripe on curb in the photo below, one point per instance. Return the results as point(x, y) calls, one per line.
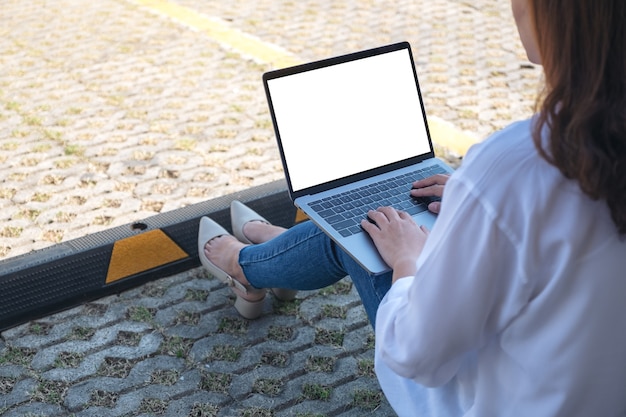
point(142, 252)
point(442, 133)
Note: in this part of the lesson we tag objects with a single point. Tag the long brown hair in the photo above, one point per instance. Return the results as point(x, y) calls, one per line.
point(583, 106)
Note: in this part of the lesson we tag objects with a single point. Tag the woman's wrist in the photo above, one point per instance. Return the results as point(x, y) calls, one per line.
point(403, 269)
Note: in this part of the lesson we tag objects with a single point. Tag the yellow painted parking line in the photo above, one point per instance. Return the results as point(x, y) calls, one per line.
point(448, 136)
point(223, 33)
point(442, 133)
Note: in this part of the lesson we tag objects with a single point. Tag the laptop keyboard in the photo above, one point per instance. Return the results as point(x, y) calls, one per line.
point(344, 211)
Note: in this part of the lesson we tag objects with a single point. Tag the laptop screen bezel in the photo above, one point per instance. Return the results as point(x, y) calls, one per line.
point(270, 75)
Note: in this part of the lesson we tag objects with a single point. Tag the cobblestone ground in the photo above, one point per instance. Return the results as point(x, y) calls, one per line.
point(112, 112)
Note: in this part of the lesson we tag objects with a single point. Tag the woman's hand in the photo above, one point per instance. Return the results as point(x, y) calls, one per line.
point(397, 237)
point(431, 187)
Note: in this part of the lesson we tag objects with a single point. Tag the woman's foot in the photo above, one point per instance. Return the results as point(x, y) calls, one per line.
point(219, 253)
point(250, 227)
point(258, 231)
point(223, 252)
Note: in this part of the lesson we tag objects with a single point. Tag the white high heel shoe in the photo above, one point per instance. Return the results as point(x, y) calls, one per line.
point(240, 214)
point(249, 302)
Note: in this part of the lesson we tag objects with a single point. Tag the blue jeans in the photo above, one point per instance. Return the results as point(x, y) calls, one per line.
point(304, 258)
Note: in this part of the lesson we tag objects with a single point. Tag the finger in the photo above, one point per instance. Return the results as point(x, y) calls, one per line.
point(389, 212)
point(369, 227)
point(437, 179)
point(376, 216)
point(425, 229)
point(435, 207)
point(433, 190)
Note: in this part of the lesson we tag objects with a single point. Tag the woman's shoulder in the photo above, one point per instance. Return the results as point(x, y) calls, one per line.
point(507, 176)
point(515, 137)
point(503, 158)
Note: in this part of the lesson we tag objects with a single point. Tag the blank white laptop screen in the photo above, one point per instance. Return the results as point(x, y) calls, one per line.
point(328, 117)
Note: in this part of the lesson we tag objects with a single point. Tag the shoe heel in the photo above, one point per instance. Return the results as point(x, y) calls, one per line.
point(283, 294)
point(249, 309)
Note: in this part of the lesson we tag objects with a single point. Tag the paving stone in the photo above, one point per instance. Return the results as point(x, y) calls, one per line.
point(35, 409)
point(19, 394)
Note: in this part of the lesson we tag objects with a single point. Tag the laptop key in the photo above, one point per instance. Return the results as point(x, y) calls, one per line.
point(345, 232)
point(344, 224)
point(355, 229)
point(335, 219)
point(437, 170)
point(326, 213)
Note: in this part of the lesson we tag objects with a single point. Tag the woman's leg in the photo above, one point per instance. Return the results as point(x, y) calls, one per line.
point(304, 258)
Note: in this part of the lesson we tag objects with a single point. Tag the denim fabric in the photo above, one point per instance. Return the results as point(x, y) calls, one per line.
point(304, 258)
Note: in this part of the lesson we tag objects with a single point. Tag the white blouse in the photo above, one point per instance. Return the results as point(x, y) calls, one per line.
point(518, 307)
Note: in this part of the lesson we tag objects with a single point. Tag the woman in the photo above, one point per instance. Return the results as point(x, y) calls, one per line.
point(512, 304)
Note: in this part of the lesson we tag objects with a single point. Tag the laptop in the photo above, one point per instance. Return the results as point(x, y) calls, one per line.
point(353, 136)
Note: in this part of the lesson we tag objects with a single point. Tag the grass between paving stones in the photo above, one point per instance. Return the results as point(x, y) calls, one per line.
point(339, 288)
point(268, 386)
point(216, 382)
point(6, 385)
point(176, 346)
point(115, 367)
point(320, 364)
point(81, 333)
point(233, 325)
point(166, 377)
point(94, 309)
point(329, 337)
point(257, 412)
point(39, 329)
point(287, 308)
point(203, 410)
point(17, 356)
point(280, 333)
point(226, 353)
point(153, 405)
point(11, 232)
point(278, 359)
point(187, 318)
point(125, 338)
point(99, 398)
point(316, 392)
point(141, 314)
point(334, 312)
point(154, 290)
point(365, 367)
point(367, 399)
point(196, 295)
point(68, 360)
point(51, 392)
